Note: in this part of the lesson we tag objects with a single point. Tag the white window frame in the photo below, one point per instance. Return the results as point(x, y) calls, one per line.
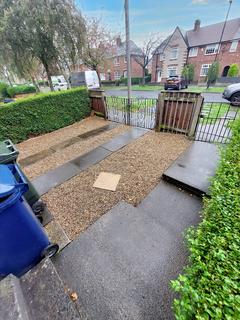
point(212, 49)
point(117, 75)
point(161, 57)
point(172, 56)
point(116, 61)
point(205, 66)
point(171, 68)
point(193, 52)
point(234, 45)
point(125, 59)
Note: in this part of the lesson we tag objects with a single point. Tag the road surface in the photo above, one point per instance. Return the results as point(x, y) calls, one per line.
point(208, 97)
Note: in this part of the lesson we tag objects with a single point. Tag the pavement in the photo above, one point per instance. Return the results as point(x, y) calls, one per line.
point(208, 97)
point(121, 267)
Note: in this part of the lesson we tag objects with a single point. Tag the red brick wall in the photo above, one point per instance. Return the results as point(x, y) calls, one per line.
point(225, 58)
point(136, 69)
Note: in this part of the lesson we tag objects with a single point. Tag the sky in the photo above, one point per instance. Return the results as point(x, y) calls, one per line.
point(157, 17)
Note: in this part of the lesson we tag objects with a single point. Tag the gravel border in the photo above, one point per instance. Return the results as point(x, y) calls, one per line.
point(77, 149)
point(43, 142)
point(76, 204)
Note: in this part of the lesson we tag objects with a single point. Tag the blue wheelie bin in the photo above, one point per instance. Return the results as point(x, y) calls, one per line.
point(23, 241)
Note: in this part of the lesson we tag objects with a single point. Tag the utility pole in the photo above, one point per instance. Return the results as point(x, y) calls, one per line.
point(128, 56)
point(223, 29)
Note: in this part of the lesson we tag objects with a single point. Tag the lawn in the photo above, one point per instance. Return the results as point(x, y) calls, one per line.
point(160, 87)
point(212, 112)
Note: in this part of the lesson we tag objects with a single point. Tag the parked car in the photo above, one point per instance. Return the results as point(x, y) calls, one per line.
point(59, 83)
point(232, 93)
point(176, 82)
point(85, 78)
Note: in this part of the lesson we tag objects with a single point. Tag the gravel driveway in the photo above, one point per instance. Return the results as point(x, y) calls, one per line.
point(76, 204)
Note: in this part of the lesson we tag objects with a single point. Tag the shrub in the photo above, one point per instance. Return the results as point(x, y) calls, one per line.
point(188, 72)
point(21, 89)
point(136, 80)
point(233, 70)
point(3, 90)
point(210, 287)
point(43, 113)
point(213, 72)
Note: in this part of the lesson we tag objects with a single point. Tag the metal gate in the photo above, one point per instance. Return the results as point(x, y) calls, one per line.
point(214, 122)
point(140, 113)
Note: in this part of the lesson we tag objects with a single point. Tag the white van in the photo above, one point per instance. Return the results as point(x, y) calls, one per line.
point(85, 78)
point(59, 83)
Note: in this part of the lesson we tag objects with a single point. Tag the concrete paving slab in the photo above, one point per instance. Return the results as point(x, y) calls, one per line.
point(194, 168)
point(123, 139)
point(122, 265)
point(57, 235)
point(107, 181)
point(55, 177)
point(45, 294)
point(89, 159)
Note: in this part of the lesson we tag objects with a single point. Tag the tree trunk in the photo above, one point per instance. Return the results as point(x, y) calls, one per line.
point(46, 67)
point(143, 79)
point(99, 78)
point(65, 75)
point(35, 84)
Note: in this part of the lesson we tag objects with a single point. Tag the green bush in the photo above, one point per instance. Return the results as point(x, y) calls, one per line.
point(210, 287)
point(136, 80)
point(233, 70)
point(3, 90)
point(43, 113)
point(21, 89)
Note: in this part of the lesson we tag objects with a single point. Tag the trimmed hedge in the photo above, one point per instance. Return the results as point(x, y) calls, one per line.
point(210, 287)
point(21, 89)
point(43, 113)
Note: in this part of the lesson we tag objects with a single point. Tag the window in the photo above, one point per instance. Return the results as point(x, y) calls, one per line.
point(116, 61)
point(125, 74)
point(234, 45)
point(117, 75)
point(204, 70)
point(193, 52)
point(125, 59)
point(212, 48)
point(161, 57)
point(172, 71)
point(174, 53)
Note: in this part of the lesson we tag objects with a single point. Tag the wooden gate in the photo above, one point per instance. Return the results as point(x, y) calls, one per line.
point(178, 112)
point(98, 102)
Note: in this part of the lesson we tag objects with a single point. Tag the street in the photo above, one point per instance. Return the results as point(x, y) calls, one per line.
point(208, 97)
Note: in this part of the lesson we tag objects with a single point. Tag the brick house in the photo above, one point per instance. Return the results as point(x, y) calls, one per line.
point(116, 64)
point(199, 47)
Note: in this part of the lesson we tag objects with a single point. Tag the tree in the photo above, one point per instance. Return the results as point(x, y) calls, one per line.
point(49, 31)
point(145, 55)
point(213, 73)
point(188, 72)
point(233, 70)
point(98, 43)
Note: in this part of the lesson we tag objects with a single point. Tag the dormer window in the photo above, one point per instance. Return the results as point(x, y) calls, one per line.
point(212, 48)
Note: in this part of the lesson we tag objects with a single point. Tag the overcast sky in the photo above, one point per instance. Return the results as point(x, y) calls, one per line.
point(157, 16)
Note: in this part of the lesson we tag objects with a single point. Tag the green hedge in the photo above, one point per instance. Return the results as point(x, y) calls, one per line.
point(21, 89)
point(43, 113)
point(210, 287)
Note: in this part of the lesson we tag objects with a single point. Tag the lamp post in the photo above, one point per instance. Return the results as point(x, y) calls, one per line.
point(126, 7)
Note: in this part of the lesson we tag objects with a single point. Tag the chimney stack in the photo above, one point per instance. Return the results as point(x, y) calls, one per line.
point(197, 24)
point(118, 41)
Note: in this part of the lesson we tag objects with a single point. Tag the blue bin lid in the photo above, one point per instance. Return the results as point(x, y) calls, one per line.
point(7, 181)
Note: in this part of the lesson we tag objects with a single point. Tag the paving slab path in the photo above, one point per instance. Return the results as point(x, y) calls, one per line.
point(194, 168)
point(121, 266)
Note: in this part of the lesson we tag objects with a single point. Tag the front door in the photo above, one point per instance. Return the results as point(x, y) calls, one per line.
point(159, 76)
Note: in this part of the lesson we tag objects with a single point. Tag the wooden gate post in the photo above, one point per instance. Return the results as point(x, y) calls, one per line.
point(159, 111)
point(98, 101)
point(195, 117)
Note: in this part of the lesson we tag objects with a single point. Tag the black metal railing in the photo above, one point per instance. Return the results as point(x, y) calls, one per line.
point(214, 122)
point(141, 112)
